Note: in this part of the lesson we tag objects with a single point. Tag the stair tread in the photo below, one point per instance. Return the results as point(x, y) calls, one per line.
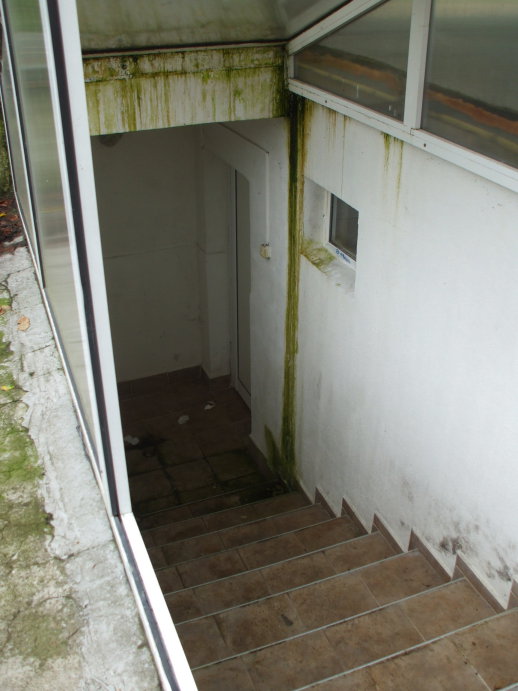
point(254, 555)
point(295, 662)
point(480, 656)
point(227, 507)
point(309, 607)
point(270, 580)
point(237, 536)
point(250, 529)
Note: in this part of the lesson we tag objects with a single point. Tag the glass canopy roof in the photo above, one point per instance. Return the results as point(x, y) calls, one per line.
point(137, 24)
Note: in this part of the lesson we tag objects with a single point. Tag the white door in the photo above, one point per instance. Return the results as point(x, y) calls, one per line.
point(241, 374)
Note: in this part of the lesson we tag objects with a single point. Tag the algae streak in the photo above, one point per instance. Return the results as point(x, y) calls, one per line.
point(287, 457)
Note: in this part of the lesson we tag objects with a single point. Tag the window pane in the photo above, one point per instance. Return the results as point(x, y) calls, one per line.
point(343, 231)
point(364, 61)
point(471, 96)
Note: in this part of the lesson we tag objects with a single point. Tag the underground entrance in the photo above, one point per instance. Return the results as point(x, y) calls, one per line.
point(183, 215)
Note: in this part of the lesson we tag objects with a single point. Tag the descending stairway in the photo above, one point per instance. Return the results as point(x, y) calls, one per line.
point(276, 594)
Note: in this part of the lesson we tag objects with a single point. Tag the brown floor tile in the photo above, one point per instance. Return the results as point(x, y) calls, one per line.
point(404, 575)
point(232, 464)
point(194, 547)
point(202, 641)
point(219, 440)
point(231, 675)
point(183, 605)
point(231, 592)
point(174, 531)
point(188, 476)
point(272, 550)
point(361, 552)
point(328, 533)
point(169, 579)
point(143, 508)
point(177, 513)
point(200, 494)
point(281, 503)
point(231, 517)
point(372, 636)
point(444, 610)
point(210, 568)
point(291, 664)
point(149, 486)
point(141, 461)
point(179, 450)
point(157, 557)
point(239, 483)
point(329, 601)
point(259, 623)
point(300, 518)
point(218, 503)
point(356, 681)
point(491, 648)
point(242, 534)
point(296, 572)
point(436, 667)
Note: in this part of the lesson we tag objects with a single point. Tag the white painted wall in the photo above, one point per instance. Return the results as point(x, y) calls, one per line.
point(146, 188)
point(407, 384)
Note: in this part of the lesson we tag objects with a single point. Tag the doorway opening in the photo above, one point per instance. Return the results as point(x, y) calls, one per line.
point(176, 235)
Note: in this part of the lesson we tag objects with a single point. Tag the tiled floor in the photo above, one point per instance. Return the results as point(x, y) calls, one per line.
point(186, 440)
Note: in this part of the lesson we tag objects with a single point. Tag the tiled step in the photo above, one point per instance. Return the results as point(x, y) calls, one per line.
point(478, 657)
point(329, 651)
point(236, 536)
point(237, 590)
point(231, 501)
point(256, 554)
point(244, 523)
point(303, 609)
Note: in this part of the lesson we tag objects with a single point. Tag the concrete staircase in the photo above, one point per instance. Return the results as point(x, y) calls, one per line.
point(277, 594)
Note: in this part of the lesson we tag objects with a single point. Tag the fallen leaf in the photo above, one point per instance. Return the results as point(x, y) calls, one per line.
point(3, 214)
point(7, 387)
point(23, 323)
point(4, 309)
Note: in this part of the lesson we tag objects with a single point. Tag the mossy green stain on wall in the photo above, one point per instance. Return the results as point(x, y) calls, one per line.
point(287, 455)
point(39, 625)
point(318, 255)
point(390, 143)
point(185, 87)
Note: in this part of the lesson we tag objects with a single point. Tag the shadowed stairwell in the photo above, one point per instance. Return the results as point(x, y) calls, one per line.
point(271, 592)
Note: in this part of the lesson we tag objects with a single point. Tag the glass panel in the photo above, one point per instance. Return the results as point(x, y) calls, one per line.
point(343, 231)
point(364, 61)
point(15, 147)
point(154, 23)
point(33, 86)
point(471, 96)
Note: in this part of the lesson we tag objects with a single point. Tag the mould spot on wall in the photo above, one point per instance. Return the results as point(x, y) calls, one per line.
point(451, 545)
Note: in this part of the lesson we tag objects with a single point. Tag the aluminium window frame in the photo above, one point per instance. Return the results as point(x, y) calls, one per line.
point(409, 130)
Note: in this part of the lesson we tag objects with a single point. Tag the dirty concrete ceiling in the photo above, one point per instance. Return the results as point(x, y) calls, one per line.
point(138, 24)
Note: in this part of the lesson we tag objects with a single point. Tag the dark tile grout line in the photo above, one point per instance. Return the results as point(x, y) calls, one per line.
point(246, 544)
point(353, 571)
point(344, 620)
point(239, 525)
point(409, 649)
point(275, 563)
